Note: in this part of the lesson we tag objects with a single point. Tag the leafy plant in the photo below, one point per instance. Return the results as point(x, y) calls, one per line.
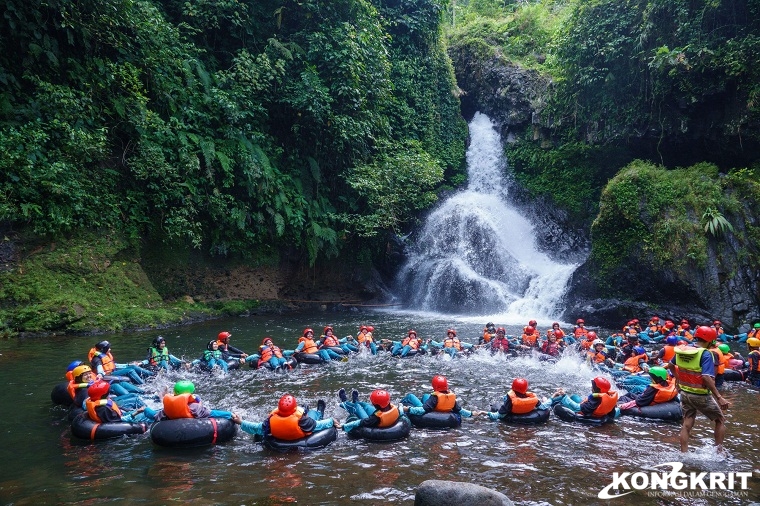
point(715, 223)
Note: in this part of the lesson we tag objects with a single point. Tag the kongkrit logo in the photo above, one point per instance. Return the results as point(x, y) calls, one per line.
point(674, 480)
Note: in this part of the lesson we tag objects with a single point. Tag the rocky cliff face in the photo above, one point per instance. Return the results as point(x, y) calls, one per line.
point(704, 277)
point(722, 286)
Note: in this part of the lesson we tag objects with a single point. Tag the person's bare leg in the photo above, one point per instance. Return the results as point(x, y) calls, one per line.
point(720, 432)
point(688, 423)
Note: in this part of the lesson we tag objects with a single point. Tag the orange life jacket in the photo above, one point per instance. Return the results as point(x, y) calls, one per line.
point(330, 341)
point(72, 388)
point(579, 332)
point(309, 345)
point(267, 352)
point(361, 336)
point(91, 405)
point(609, 401)
point(286, 427)
point(529, 339)
point(106, 359)
point(388, 418)
point(756, 353)
point(412, 342)
point(522, 405)
point(720, 360)
point(665, 393)
point(632, 364)
point(446, 401)
point(177, 406)
point(669, 353)
point(487, 336)
point(597, 357)
point(586, 343)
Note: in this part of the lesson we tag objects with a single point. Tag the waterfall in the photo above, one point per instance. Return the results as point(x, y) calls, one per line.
point(476, 254)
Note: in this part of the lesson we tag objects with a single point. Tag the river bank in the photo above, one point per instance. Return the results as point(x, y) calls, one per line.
point(95, 284)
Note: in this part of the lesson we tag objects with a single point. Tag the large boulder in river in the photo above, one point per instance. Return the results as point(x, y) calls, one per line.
point(454, 493)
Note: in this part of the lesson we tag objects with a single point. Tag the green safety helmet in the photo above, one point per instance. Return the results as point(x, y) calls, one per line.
point(757, 326)
point(184, 387)
point(659, 372)
point(724, 348)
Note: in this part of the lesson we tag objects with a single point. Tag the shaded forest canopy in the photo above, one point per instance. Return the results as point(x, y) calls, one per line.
point(241, 128)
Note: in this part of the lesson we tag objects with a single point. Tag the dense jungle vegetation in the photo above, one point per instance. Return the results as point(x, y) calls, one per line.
point(255, 129)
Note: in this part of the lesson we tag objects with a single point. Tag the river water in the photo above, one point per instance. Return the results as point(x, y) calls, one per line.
point(556, 463)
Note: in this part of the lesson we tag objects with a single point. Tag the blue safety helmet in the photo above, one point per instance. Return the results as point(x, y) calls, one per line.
point(639, 350)
point(672, 341)
point(74, 365)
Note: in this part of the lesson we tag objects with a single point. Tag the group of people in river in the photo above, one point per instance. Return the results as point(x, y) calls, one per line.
point(690, 366)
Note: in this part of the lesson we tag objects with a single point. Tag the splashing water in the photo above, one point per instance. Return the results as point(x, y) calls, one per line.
point(476, 254)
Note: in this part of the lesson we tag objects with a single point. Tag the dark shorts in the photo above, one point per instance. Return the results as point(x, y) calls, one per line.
point(705, 404)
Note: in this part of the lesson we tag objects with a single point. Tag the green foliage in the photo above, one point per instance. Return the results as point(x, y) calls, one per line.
point(398, 182)
point(715, 223)
point(572, 173)
point(522, 32)
point(659, 213)
point(217, 125)
point(632, 67)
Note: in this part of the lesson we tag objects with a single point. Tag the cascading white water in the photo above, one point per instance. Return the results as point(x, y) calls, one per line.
point(476, 254)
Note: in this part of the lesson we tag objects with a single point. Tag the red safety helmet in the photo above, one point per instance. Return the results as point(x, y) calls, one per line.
point(363, 327)
point(451, 331)
point(579, 321)
point(520, 385)
point(370, 328)
point(706, 333)
point(306, 331)
point(440, 383)
point(380, 398)
point(98, 390)
point(267, 339)
point(529, 330)
point(533, 323)
point(603, 384)
point(558, 333)
point(685, 326)
point(669, 324)
point(412, 331)
point(635, 320)
point(223, 336)
point(328, 328)
point(555, 324)
point(501, 330)
point(716, 322)
point(591, 335)
point(287, 405)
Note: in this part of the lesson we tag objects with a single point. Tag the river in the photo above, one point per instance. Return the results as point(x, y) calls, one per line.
point(556, 463)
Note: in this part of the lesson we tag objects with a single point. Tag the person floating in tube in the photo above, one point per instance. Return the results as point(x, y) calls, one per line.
point(378, 413)
point(288, 422)
point(601, 402)
point(518, 401)
point(441, 400)
point(185, 404)
point(661, 389)
point(101, 409)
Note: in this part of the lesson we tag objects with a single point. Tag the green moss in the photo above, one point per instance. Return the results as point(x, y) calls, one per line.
point(93, 282)
point(653, 214)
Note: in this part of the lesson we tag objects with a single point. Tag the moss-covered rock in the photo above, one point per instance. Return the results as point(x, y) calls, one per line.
point(684, 240)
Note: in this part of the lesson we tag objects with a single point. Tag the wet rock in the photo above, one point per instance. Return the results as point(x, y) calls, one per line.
point(453, 493)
